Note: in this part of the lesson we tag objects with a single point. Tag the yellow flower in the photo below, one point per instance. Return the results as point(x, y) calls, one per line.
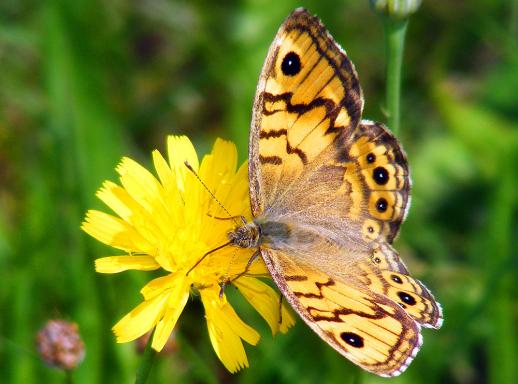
point(169, 223)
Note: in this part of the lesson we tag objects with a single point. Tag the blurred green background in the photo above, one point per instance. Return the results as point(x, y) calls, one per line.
point(83, 83)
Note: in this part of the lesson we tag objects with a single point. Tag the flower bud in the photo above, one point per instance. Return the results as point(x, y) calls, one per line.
point(396, 9)
point(60, 345)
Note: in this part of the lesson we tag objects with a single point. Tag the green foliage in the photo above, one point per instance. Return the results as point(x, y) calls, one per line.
point(86, 82)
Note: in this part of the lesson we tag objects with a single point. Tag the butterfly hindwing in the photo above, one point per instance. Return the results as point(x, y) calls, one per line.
point(368, 328)
point(381, 166)
point(411, 294)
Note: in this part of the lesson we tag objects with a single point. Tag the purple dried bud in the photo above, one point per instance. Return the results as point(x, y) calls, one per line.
point(60, 345)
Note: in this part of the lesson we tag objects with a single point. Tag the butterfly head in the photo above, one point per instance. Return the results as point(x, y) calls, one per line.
point(246, 236)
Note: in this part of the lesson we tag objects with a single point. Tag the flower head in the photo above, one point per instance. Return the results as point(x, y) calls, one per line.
point(60, 345)
point(169, 223)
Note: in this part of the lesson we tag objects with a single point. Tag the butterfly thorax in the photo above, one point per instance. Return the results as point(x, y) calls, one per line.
point(258, 232)
point(273, 234)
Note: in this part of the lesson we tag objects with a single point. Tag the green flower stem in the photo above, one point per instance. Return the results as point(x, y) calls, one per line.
point(395, 31)
point(69, 378)
point(146, 363)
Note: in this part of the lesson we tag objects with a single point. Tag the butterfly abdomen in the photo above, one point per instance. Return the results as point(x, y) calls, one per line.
point(282, 235)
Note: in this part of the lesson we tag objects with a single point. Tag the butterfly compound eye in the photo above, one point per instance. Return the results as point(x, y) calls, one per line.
point(291, 64)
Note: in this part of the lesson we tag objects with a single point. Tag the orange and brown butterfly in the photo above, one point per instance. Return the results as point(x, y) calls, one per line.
point(329, 192)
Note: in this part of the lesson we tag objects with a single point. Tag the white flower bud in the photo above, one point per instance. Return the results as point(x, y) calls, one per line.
point(396, 9)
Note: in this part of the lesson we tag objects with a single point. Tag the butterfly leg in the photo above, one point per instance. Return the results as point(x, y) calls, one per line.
point(247, 267)
point(243, 219)
point(253, 258)
point(280, 309)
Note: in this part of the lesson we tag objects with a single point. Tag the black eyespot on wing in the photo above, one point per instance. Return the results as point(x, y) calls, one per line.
point(381, 205)
point(291, 64)
point(380, 175)
point(406, 298)
point(396, 279)
point(352, 339)
point(371, 158)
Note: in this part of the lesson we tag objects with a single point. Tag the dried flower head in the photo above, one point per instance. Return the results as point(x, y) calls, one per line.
point(60, 345)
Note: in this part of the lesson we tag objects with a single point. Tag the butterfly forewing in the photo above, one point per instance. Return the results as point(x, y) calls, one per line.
point(301, 104)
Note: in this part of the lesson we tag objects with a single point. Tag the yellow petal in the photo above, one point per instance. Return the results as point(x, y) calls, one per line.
point(172, 196)
point(217, 170)
point(177, 300)
point(288, 320)
point(166, 176)
point(228, 346)
point(238, 201)
point(160, 284)
point(263, 298)
point(115, 232)
point(139, 182)
point(258, 268)
point(115, 197)
point(115, 264)
point(220, 165)
point(147, 192)
point(180, 150)
point(141, 319)
point(226, 330)
point(147, 224)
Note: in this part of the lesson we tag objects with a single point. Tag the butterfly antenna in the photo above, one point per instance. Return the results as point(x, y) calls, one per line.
point(190, 168)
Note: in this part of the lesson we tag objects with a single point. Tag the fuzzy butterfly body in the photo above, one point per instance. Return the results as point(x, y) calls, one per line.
point(328, 193)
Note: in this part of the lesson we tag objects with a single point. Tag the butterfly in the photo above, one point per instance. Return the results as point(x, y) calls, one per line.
point(328, 193)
